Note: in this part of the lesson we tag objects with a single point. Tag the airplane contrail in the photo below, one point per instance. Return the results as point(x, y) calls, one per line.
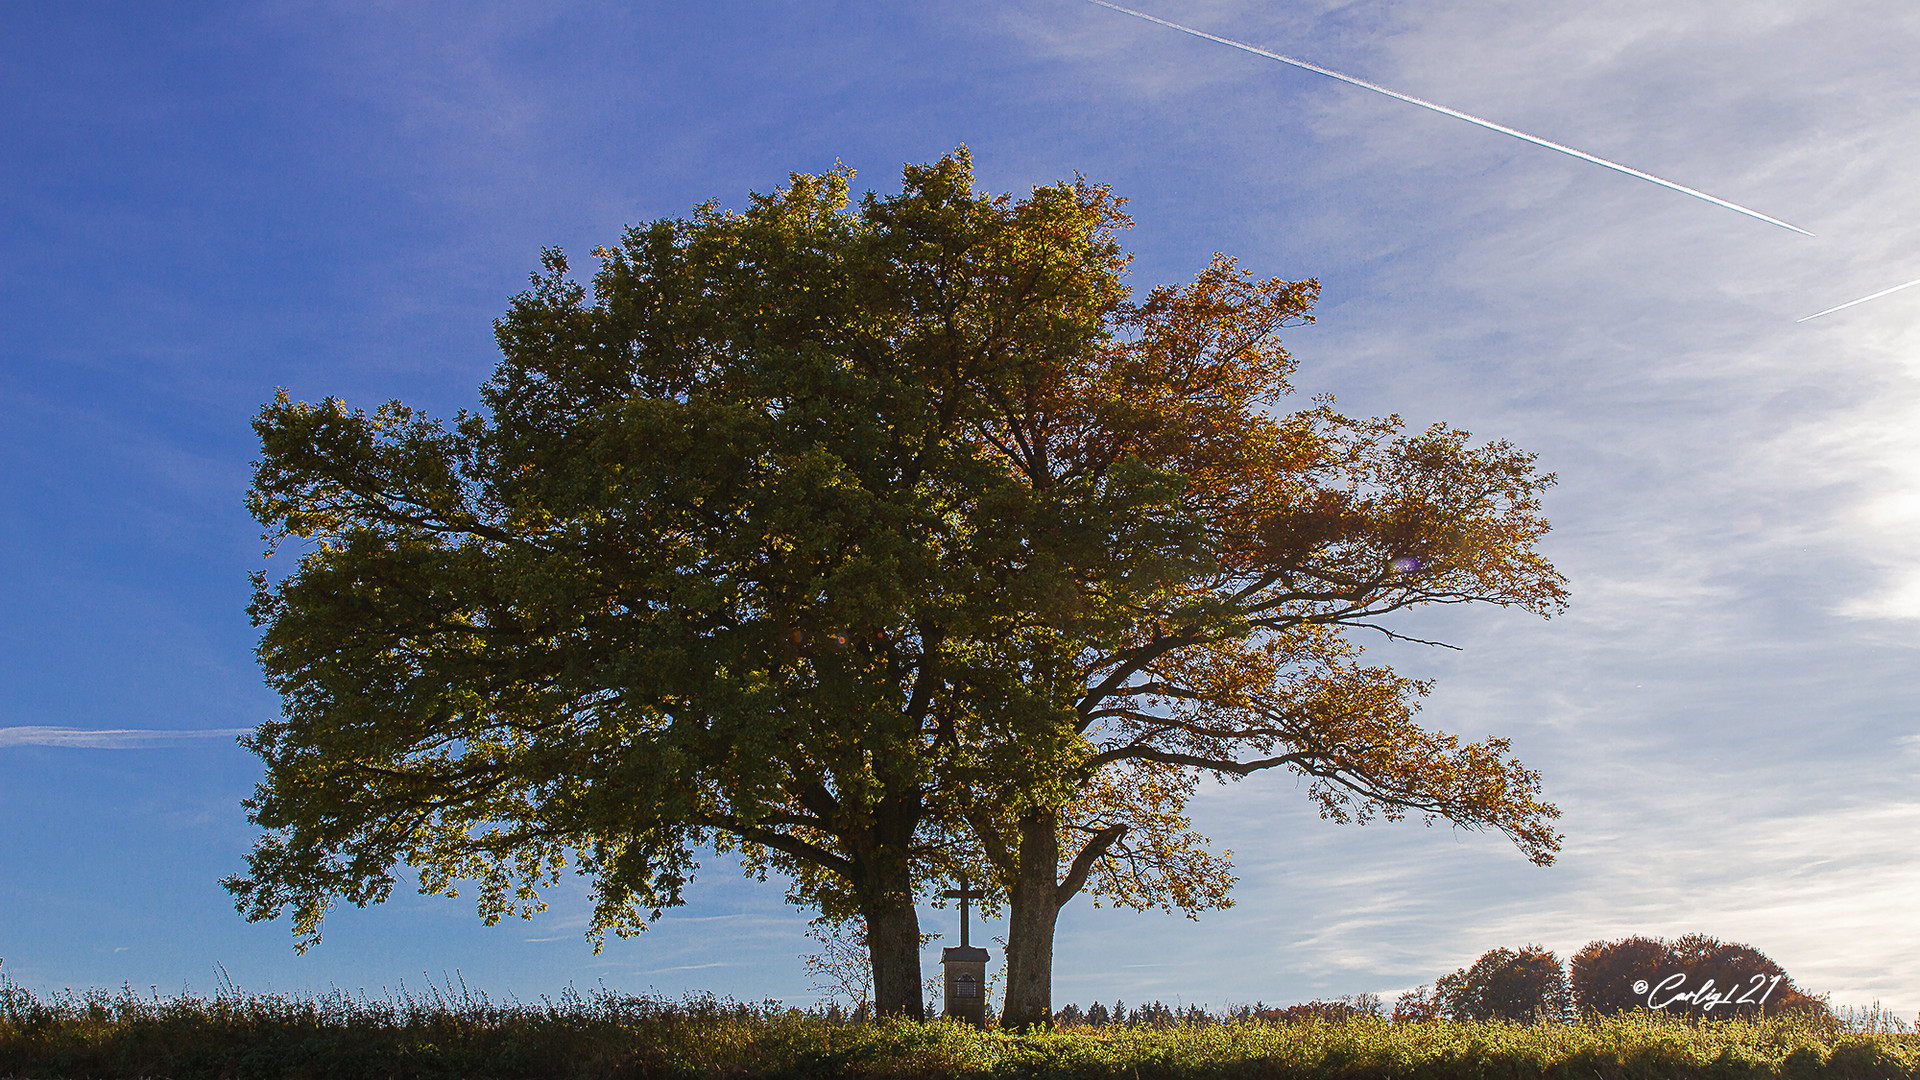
point(114, 739)
point(1457, 114)
point(1862, 300)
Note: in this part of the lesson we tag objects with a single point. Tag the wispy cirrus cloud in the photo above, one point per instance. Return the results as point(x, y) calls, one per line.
point(111, 739)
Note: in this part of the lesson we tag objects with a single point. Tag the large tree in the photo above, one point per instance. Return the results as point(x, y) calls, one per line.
point(1219, 641)
point(871, 543)
point(685, 577)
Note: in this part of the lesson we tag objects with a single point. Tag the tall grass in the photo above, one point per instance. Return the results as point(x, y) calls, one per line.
point(604, 1036)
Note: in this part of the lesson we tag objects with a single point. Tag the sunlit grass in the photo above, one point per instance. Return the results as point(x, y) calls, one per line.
point(604, 1035)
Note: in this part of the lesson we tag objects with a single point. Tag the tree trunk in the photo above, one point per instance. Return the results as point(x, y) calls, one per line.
point(1033, 906)
point(893, 944)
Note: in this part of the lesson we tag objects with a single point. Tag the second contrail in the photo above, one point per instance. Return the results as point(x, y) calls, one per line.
point(1468, 117)
point(1862, 300)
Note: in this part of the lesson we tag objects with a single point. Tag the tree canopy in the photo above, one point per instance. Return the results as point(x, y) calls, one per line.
point(689, 575)
point(871, 542)
point(1520, 987)
point(1189, 567)
point(1693, 975)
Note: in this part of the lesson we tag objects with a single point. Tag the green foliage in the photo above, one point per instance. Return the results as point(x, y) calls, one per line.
point(874, 543)
point(608, 1037)
point(705, 567)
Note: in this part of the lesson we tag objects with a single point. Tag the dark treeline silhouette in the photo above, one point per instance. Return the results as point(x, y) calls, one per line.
point(1158, 1015)
point(1118, 1015)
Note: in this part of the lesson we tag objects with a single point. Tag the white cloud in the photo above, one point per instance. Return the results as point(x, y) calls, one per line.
point(1898, 599)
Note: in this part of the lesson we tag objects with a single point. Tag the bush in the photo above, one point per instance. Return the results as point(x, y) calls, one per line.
point(1611, 976)
point(1520, 987)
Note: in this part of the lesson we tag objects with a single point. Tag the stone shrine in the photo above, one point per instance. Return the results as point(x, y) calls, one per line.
point(966, 967)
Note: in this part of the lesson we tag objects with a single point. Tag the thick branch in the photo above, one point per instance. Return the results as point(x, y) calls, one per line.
point(1135, 752)
point(781, 842)
point(1082, 865)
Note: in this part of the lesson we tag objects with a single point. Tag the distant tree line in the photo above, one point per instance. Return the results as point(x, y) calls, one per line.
point(1158, 1015)
point(1693, 976)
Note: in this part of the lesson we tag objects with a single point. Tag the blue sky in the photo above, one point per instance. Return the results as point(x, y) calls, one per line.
point(205, 202)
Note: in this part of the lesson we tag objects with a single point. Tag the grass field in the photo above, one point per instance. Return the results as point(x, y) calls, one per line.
point(603, 1035)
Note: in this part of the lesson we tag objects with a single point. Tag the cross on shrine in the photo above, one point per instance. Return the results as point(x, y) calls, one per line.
point(963, 894)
